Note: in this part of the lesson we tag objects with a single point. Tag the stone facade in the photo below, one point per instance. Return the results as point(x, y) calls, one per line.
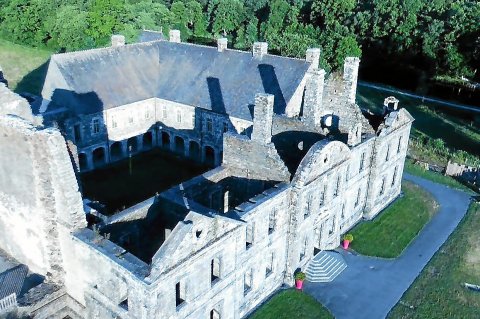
point(287, 185)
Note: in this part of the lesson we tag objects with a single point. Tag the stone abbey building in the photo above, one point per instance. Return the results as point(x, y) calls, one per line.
point(296, 164)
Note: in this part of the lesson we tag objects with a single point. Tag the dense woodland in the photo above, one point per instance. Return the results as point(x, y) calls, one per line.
point(440, 37)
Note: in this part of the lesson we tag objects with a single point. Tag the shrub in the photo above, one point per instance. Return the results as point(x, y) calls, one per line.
point(348, 237)
point(300, 275)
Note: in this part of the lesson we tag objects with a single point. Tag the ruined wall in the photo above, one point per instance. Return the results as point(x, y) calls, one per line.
point(256, 159)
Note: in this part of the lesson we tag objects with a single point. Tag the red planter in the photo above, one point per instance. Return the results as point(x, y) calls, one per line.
point(298, 284)
point(346, 243)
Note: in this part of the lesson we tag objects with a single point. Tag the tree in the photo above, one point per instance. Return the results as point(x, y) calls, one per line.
point(228, 15)
point(69, 28)
point(104, 19)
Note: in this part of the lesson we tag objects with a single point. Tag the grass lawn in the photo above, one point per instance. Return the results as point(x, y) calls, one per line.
point(24, 67)
point(438, 293)
point(456, 128)
point(434, 177)
point(291, 304)
point(391, 232)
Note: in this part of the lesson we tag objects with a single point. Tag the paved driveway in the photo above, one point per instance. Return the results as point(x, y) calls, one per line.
point(370, 287)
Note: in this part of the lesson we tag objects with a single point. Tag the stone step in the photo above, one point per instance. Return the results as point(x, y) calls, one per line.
point(325, 267)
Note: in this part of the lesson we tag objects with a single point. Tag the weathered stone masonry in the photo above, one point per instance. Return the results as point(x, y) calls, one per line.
point(297, 165)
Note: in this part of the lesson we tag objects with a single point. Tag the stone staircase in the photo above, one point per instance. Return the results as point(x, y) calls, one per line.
point(325, 266)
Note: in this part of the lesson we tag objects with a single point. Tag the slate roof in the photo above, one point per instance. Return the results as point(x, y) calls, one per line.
point(11, 280)
point(224, 82)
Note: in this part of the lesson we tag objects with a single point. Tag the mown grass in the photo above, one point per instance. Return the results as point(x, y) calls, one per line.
point(290, 304)
point(393, 230)
point(24, 67)
point(458, 129)
point(414, 169)
point(438, 292)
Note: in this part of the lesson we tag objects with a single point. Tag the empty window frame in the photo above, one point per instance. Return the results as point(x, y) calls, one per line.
point(114, 122)
point(308, 206)
point(357, 199)
point(180, 293)
point(164, 111)
point(303, 249)
point(322, 195)
point(249, 236)
point(215, 270)
point(343, 211)
point(130, 119)
point(362, 162)
point(95, 126)
point(272, 220)
point(193, 120)
point(394, 177)
point(382, 186)
point(225, 127)
point(247, 281)
point(77, 133)
point(209, 125)
point(269, 266)
point(387, 155)
point(179, 116)
point(337, 187)
point(399, 147)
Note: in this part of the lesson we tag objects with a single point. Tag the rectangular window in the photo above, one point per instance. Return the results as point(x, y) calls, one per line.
point(387, 156)
point(332, 229)
point(303, 250)
point(271, 221)
point(323, 194)
point(337, 187)
point(164, 111)
point(249, 236)
point(130, 119)
point(193, 120)
point(382, 186)
point(247, 281)
point(269, 268)
point(179, 116)
point(95, 126)
point(77, 134)
point(394, 178)
point(225, 127)
point(148, 114)
point(347, 173)
point(357, 200)
point(124, 304)
point(343, 211)
point(215, 270)
point(399, 147)
point(179, 294)
point(209, 125)
point(114, 122)
point(362, 162)
point(309, 206)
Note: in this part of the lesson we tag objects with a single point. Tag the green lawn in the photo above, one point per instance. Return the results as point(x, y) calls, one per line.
point(291, 304)
point(457, 129)
point(24, 67)
point(438, 293)
point(391, 232)
point(434, 177)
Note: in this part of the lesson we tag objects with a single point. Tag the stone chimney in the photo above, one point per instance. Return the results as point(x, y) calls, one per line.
point(262, 118)
point(313, 109)
point(390, 104)
point(313, 56)
point(117, 40)
point(350, 77)
point(174, 36)
point(222, 44)
point(259, 49)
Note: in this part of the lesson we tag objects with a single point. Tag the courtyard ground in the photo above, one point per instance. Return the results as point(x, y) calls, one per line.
point(393, 230)
point(370, 287)
point(289, 304)
point(152, 172)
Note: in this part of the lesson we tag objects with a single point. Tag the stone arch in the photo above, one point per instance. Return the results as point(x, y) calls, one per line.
point(165, 140)
point(98, 156)
point(321, 157)
point(209, 153)
point(82, 162)
point(194, 150)
point(116, 151)
point(132, 144)
point(147, 139)
point(179, 143)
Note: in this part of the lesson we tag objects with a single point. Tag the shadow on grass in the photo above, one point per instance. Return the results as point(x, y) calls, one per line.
point(33, 82)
